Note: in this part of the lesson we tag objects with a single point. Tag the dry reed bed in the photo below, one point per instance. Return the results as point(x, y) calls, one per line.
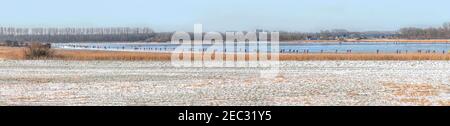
point(108, 55)
point(12, 53)
point(111, 55)
point(402, 40)
point(384, 40)
point(18, 53)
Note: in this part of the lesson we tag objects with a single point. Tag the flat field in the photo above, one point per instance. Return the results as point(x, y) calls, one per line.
point(60, 82)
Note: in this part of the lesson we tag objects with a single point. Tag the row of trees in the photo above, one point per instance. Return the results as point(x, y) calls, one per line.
point(293, 36)
point(75, 38)
point(442, 32)
point(74, 31)
point(146, 34)
point(339, 34)
point(75, 34)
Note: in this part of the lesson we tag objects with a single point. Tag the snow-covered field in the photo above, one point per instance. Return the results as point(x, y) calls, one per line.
point(56, 82)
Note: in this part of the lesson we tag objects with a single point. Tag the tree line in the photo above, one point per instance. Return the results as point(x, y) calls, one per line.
point(75, 34)
point(442, 32)
point(126, 34)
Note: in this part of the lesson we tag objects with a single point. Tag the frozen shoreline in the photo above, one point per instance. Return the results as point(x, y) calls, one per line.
point(57, 82)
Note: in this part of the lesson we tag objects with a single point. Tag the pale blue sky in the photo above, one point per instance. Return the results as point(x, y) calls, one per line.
point(222, 15)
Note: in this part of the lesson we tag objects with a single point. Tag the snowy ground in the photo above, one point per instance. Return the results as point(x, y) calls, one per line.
point(158, 83)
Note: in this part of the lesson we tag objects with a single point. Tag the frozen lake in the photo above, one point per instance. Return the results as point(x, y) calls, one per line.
point(298, 47)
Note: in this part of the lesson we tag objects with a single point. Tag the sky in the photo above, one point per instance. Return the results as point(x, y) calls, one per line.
point(227, 15)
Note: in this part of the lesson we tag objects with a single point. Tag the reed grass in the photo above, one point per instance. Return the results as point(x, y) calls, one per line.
point(108, 55)
point(385, 40)
point(18, 53)
point(14, 53)
point(365, 56)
